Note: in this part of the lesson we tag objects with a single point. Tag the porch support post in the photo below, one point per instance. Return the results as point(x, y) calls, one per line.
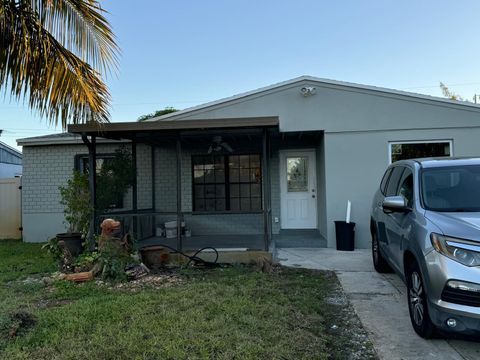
point(266, 189)
point(152, 157)
point(269, 187)
point(92, 185)
point(134, 188)
point(179, 192)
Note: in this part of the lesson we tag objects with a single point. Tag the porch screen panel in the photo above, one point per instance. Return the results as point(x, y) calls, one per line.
point(227, 183)
point(83, 166)
point(209, 183)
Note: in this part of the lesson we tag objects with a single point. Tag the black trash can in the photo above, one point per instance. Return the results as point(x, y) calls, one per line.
point(345, 234)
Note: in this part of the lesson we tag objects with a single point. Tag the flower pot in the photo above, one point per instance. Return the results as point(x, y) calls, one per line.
point(72, 242)
point(155, 256)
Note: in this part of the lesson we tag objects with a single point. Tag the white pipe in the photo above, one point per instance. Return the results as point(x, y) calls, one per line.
point(349, 208)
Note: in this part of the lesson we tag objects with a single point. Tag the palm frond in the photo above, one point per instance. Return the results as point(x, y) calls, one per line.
point(57, 83)
point(81, 28)
point(45, 50)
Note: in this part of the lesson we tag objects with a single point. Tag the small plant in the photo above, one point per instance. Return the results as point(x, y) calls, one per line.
point(54, 249)
point(60, 254)
point(76, 199)
point(114, 256)
point(86, 261)
point(113, 260)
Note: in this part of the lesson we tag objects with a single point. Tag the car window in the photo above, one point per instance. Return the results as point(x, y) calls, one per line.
point(383, 184)
point(406, 186)
point(394, 180)
point(451, 188)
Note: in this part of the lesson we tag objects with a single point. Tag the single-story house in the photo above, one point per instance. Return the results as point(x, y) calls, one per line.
point(10, 161)
point(271, 167)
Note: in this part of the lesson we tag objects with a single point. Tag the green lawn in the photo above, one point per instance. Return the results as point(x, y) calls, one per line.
point(227, 313)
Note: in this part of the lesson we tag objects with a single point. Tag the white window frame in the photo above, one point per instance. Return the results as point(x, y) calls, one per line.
point(390, 143)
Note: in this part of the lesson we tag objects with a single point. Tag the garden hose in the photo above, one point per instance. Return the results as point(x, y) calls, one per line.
point(194, 258)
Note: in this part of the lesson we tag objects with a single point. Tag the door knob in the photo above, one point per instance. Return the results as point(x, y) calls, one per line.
point(313, 196)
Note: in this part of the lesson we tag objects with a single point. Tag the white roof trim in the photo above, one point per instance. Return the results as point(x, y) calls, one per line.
point(74, 140)
point(353, 86)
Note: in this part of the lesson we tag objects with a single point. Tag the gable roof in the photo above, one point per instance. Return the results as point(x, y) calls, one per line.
point(319, 82)
point(68, 138)
point(10, 150)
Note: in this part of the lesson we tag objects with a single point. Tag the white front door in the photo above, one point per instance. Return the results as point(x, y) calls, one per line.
point(298, 189)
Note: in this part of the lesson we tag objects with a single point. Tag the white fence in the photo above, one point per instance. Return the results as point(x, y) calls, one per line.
point(10, 208)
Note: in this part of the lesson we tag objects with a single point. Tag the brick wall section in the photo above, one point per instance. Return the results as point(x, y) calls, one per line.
point(144, 176)
point(166, 179)
point(45, 168)
point(187, 202)
point(228, 224)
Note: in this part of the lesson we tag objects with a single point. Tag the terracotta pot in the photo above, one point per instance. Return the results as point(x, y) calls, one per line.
point(73, 242)
point(155, 256)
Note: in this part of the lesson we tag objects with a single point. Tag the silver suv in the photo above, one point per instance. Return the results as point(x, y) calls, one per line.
point(425, 225)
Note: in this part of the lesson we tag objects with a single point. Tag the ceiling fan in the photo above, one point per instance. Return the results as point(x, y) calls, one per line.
point(218, 145)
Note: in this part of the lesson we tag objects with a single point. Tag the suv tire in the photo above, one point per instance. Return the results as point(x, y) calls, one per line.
point(417, 302)
point(379, 262)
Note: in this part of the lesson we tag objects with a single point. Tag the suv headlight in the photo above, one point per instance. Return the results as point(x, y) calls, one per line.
point(464, 251)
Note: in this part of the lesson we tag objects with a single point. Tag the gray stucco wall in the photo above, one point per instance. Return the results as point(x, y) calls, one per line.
point(341, 108)
point(356, 161)
point(321, 190)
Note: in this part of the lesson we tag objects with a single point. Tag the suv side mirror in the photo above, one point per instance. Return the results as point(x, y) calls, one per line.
point(395, 204)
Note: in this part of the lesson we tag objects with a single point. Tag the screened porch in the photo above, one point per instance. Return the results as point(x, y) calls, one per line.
point(203, 183)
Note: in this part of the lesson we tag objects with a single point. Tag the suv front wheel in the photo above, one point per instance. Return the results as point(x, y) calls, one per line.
point(417, 302)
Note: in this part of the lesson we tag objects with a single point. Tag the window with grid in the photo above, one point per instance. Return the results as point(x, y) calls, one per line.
point(227, 183)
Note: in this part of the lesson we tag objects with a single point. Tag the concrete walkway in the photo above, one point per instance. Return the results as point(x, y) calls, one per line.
point(380, 302)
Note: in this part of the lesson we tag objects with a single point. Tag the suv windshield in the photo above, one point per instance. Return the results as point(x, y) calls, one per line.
point(451, 189)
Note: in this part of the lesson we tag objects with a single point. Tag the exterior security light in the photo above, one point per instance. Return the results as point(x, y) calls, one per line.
point(308, 91)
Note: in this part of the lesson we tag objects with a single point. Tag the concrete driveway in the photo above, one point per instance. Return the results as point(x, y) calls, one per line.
point(380, 302)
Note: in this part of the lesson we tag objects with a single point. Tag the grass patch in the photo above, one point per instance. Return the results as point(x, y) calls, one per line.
point(226, 313)
point(19, 259)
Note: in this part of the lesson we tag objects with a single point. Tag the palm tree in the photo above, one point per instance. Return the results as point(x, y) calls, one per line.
point(52, 53)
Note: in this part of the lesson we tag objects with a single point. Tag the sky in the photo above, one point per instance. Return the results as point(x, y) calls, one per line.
point(183, 53)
